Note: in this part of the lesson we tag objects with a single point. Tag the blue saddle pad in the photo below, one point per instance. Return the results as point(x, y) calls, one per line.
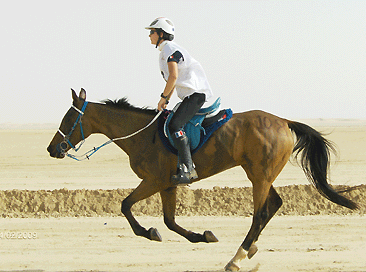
point(192, 129)
point(197, 134)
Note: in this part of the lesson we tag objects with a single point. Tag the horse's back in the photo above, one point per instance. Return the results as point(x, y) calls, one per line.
point(262, 124)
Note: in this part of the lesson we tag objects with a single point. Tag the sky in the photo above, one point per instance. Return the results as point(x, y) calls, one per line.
point(294, 59)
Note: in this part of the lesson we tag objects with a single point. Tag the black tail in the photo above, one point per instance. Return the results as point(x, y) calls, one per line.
point(315, 152)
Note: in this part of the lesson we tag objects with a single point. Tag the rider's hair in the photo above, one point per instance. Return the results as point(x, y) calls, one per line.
point(166, 36)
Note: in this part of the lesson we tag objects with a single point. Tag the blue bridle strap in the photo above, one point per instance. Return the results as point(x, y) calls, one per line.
point(78, 120)
point(67, 137)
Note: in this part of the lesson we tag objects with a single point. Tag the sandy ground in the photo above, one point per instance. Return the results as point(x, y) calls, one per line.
point(58, 238)
point(289, 243)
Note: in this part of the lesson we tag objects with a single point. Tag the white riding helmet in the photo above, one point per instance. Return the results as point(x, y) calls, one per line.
point(162, 23)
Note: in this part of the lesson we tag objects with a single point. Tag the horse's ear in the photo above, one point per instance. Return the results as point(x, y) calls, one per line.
point(82, 94)
point(74, 95)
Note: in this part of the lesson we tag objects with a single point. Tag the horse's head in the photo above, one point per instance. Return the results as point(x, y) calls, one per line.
point(72, 130)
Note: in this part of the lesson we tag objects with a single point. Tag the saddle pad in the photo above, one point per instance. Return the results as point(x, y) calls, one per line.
point(192, 129)
point(204, 135)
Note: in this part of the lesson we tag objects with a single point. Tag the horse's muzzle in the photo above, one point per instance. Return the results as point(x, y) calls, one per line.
point(54, 153)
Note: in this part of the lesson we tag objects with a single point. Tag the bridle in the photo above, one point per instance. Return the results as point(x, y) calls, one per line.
point(61, 147)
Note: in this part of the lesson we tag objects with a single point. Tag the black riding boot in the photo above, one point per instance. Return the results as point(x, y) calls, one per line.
point(186, 172)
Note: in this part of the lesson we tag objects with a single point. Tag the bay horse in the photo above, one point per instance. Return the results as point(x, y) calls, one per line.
point(259, 142)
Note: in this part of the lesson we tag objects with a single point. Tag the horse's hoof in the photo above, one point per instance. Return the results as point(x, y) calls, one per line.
point(155, 235)
point(232, 267)
point(210, 237)
point(252, 250)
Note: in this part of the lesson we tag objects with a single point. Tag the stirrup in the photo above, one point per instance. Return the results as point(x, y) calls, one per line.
point(184, 177)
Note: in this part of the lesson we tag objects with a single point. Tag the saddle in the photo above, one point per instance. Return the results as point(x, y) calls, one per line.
point(198, 129)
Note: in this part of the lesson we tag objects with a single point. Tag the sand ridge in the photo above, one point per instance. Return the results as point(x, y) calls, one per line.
point(298, 200)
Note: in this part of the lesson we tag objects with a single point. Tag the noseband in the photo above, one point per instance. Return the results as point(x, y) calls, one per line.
point(61, 147)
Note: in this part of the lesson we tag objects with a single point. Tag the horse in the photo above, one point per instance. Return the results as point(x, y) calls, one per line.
point(259, 142)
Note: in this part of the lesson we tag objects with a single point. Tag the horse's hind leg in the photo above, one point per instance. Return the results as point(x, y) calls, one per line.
point(168, 197)
point(144, 190)
point(261, 217)
point(274, 202)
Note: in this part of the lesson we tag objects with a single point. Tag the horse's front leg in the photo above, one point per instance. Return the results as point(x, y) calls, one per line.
point(144, 190)
point(168, 198)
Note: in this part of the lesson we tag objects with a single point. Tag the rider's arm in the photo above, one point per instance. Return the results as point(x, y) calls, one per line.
point(170, 84)
point(172, 79)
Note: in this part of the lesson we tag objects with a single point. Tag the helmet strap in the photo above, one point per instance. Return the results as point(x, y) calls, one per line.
point(160, 38)
point(158, 42)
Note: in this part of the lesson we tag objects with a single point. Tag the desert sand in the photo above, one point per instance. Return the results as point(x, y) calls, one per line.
point(64, 215)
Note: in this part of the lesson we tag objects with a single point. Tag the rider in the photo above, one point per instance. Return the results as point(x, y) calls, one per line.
point(186, 75)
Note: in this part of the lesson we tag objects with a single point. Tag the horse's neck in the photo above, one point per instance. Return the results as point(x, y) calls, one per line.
point(116, 123)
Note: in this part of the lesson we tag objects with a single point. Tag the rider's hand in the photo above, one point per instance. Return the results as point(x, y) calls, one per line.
point(162, 104)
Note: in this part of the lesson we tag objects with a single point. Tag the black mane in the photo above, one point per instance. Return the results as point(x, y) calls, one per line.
point(124, 104)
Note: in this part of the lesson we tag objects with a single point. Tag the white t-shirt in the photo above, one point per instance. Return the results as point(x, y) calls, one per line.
point(191, 76)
